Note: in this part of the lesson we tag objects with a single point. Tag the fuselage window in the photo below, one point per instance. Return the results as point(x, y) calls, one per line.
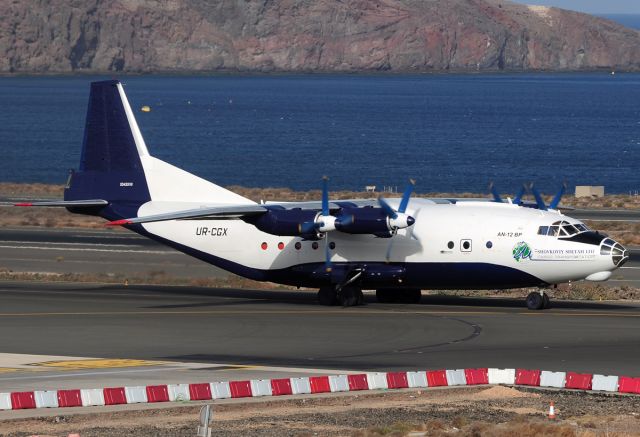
point(450, 244)
point(465, 245)
point(489, 244)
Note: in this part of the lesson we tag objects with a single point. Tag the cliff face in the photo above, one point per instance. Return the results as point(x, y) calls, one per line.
point(305, 35)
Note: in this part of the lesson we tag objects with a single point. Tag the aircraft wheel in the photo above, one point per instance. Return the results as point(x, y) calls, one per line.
point(546, 302)
point(351, 296)
point(327, 296)
point(535, 301)
point(411, 296)
point(384, 295)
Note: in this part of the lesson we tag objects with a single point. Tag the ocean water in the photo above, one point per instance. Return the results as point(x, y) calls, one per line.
point(452, 133)
point(629, 20)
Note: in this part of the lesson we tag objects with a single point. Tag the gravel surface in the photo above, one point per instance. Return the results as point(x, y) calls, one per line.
point(465, 411)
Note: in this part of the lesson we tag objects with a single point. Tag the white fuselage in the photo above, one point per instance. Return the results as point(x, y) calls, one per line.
point(465, 232)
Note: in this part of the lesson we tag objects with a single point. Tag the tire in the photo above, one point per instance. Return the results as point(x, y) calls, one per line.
point(327, 296)
point(384, 295)
point(350, 296)
point(546, 302)
point(411, 296)
point(535, 301)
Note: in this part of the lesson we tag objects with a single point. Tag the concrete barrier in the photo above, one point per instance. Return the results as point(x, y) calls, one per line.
point(46, 398)
point(92, 397)
point(377, 381)
point(178, 392)
point(605, 383)
point(220, 390)
point(417, 379)
point(502, 376)
point(552, 379)
point(456, 377)
point(136, 395)
point(339, 383)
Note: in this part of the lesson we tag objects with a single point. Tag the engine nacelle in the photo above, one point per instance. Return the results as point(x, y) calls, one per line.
point(367, 220)
point(287, 222)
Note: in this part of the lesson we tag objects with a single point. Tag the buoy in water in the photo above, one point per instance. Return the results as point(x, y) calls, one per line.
point(145, 109)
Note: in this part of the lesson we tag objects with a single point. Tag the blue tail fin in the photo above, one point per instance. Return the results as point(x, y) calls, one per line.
point(110, 165)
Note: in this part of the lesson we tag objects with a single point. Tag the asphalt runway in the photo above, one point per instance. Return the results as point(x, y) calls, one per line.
point(262, 328)
point(87, 251)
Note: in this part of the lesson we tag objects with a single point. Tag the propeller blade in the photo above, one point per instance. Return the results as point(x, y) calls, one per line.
point(406, 195)
point(538, 197)
point(494, 192)
point(387, 208)
point(412, 229)
point(556, 200)
point(327, 253)
point(389, 248)
point(325, 196)
point(519, 194)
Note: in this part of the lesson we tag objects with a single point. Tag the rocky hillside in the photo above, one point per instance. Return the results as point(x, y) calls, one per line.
point(42, 36)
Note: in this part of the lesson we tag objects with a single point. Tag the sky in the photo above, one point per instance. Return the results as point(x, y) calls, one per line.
point(591, 6)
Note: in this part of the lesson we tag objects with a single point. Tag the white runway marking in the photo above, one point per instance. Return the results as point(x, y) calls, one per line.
point(77, 249)
point(70, 244)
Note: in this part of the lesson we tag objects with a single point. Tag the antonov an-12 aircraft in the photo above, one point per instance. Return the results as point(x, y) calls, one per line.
point(394, 246)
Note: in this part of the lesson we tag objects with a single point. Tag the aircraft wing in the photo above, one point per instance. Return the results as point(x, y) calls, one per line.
point(213, 212)
point(236, 211)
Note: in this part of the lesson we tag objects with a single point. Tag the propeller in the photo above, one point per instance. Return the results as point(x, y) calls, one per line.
point(398, 219)
point(497, 198)
point(538, 197)
point(556, 200)
point(325, 222)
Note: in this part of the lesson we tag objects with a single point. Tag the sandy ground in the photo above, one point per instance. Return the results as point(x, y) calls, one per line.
point(468, 411)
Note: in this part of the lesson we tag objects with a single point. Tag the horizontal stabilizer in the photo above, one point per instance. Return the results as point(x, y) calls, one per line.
point(66, 203)
point(213, 212)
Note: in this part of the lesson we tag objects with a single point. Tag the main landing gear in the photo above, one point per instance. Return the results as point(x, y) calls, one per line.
point(538, 300)
point(346, 296)
point(395, 295)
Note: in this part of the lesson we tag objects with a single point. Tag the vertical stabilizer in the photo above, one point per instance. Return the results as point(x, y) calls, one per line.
point(115, 164)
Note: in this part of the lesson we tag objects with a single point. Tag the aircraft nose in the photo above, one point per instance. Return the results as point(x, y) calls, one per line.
point(619, 255)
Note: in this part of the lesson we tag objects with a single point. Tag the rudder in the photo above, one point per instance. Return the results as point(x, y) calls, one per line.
point(110, 163)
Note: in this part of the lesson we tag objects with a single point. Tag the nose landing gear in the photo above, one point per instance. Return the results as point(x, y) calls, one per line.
point(538, 300)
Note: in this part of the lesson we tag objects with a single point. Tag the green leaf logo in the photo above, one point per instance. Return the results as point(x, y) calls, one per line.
point(521, 251)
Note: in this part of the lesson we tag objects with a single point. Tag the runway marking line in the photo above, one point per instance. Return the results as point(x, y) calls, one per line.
point(8, 369)
point(97, 364)
point(319, 312)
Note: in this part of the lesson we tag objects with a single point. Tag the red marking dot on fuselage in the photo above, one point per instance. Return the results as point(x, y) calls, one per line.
point(264, 246)
point(281, 245)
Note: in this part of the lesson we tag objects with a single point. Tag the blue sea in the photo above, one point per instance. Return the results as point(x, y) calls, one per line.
point(453, 133)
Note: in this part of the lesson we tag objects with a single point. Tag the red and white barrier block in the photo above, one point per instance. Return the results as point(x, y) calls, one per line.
point(315, 384)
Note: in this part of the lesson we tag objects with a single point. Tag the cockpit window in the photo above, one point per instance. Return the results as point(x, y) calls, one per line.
point(562, 228)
